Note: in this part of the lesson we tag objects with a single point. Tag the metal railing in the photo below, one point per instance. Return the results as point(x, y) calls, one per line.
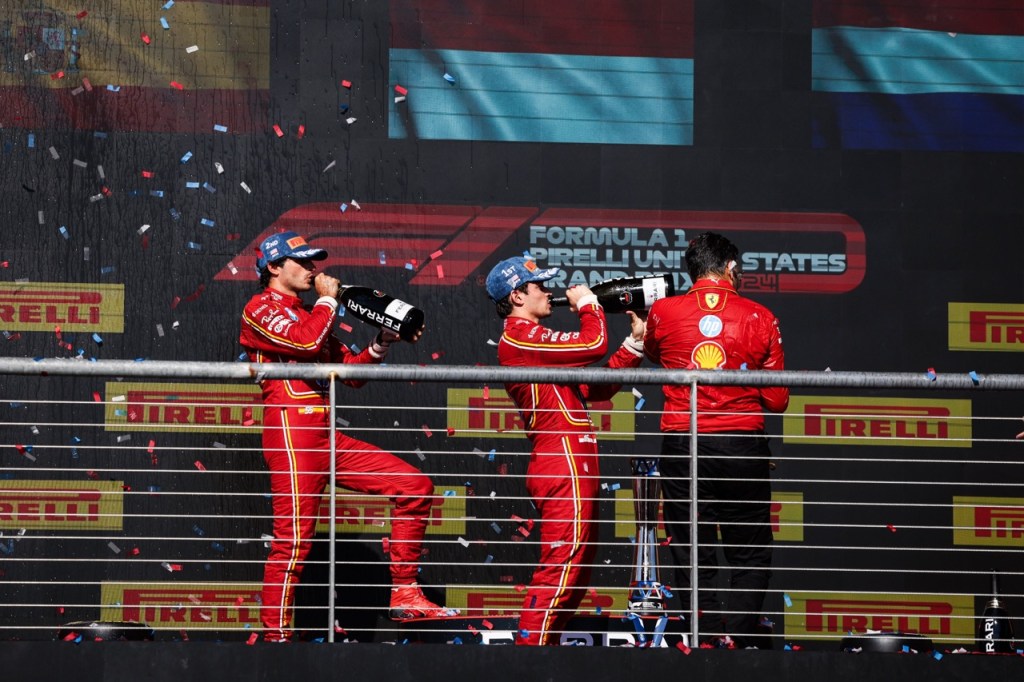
point(832, 500)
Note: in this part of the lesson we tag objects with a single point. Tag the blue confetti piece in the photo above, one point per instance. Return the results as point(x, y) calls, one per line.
point(217, 547)
point(383, 258)
point(937, 655)
point(789, 602)
point(450, 78)
point(175, 214)
point(191, 185)
point(64, 232)
point(243, 357)
point(153, 488)
point(207, 222)
point(31, 141)
point(524, 633)
point(163, 22)
point(408, 266)
point(99, 135)
point(974, 377)
point(169, 4)
point(107, 270)
point(98, 339)
point(614, 486)
point(667, 592)
point(114, 88)
point(343, 207)
point(640, 404)
point(597, 610)
point(197, 529)
point(76, 439)
point(457, 640)
point(449, 493)
point(930, 375)
point(787, 648)
point(490, 455)
point(489, 559)
point(195, 247)
point(496, 528)
point(743, 366)
point(156, 193)
point(209, 188)
point(218, 128)
point(186, 157)
point(906, 649)
point(120, 413)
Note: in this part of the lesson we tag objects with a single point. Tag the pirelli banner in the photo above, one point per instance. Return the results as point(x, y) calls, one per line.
point(49, 306)
point(892, 421)
point(218, 606)
point(988, 521)
point(61, 505)
point(212, 408)
point(986, 327)
point(356, 513)
point(833, 615)
point(507, 600)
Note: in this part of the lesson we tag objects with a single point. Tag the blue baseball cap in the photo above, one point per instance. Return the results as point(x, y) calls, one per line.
point(512, 273)
point(286, 245)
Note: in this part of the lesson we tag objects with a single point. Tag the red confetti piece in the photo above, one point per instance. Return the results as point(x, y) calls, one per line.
point(253, 638)
point(175, 301)
point(134, 551)
point(682, 647)
point(145, 38)
point(503, 469)
point(247, 419)
point(199, 465)
point(153, 460)
point(487, 392)
point(82, 15)
point(57, 76)
point(666, 542)
point(426, 430)
point(147, 174)
point(106, 191)
point(346, 84)
point(522, 531)
point(239, 600)
point(436, 355)
point(71, 636)
point(440, 272)
point(345, 327)
point(96, 397)
point(177, 86)
point(92, 475)
point(401, 91)
point(20, 448)
point(474, 630)
point(87, 84)
point(386, 544)
point(278, 131)
point(451, 431)
point(487, 624)
point(152, 444)
point(302, 132)
point(436, 254)
point(520, 587)
point(891, 528)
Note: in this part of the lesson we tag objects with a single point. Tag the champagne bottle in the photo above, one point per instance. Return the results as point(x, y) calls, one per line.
point(629, 293)
point(382, 311)
point(995, 633)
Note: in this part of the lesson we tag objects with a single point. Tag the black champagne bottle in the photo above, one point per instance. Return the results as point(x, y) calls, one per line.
point(629, 293)
point(995, 633)
point(380, 310)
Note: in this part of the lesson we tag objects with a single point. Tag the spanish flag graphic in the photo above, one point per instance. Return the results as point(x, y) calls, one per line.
point(135, 65)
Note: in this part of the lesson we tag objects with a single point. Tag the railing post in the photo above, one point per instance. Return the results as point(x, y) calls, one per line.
point(694, 634)
point(332, 523)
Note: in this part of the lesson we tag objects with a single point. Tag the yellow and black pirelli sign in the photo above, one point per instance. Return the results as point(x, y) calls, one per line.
point(371, 514)
point(986, 326)
point(183, 605)
point(44, 306)
point(206, 408)
point(62, 505)
point(988, 521)
point(474, 412)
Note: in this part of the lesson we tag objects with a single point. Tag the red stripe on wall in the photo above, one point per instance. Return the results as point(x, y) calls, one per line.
point(982, 17)
point(135, 109)
point(640, 28)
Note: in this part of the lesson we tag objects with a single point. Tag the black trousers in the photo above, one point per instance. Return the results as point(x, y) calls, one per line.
point(733, 498)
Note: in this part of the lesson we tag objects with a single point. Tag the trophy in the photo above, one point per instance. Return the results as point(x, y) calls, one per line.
point(646, 594)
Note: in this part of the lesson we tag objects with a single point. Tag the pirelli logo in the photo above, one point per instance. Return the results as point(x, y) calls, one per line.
point(62, 505)
point(823, 615)
point(787, 516)
point(183, 605)
point(213, 408)
point(988, 521)
point(42, 306)
point(508, 601)
point(473, 412)
point(986, 326)
point(359, 513)
point(848, 420)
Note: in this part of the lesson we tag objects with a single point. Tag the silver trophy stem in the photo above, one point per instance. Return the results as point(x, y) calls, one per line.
point(645, 589)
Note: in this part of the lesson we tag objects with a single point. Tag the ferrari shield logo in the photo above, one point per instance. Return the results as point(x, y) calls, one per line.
point(711, 300)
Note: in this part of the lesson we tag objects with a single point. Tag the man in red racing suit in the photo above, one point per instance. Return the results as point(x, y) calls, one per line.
point(713, 327)
point(563, 474)
point(278, 327)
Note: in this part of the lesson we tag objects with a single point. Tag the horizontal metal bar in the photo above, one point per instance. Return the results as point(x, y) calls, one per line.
point(488, 374)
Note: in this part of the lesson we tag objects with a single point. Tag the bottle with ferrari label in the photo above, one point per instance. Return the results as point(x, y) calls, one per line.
point(629, 293)
point(995, 633)
point(382, 311)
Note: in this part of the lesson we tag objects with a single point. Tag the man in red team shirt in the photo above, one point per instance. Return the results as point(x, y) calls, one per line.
point(278, 327)
point(563, 475)
point(713, 327)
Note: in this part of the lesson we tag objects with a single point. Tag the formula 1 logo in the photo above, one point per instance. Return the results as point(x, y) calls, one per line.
point(443, 245)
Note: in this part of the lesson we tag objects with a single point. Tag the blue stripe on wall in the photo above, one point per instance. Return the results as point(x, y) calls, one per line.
point(906, 61)
point(935, 122)
point(530, 97)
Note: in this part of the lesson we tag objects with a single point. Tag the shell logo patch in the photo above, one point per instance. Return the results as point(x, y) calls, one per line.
point(708, 355)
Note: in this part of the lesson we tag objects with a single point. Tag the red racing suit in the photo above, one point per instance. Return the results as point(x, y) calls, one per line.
point(713, 327)
point(296, 446)
point(563, 476)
